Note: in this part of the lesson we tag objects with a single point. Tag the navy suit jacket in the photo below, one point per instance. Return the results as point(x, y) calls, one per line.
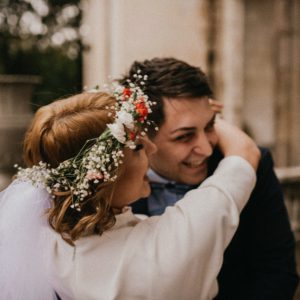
point(259, 263)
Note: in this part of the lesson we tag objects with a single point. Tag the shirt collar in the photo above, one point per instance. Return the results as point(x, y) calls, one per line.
point(154, 177)
point(157, 179)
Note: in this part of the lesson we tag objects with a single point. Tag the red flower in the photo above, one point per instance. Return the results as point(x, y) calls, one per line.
point(142, 110)
point(132, 135)
point(126, 93)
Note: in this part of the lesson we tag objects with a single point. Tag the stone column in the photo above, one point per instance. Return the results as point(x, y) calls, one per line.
point(283, 62)
point(15, 116)
point(229, 53)
point(119, 32)
point(287, 88)
point(259, 72)
point(294, 132)
point(96, 37)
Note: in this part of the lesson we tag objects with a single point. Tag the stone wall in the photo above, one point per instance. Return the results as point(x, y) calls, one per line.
point(249, 49)
point(15, 116)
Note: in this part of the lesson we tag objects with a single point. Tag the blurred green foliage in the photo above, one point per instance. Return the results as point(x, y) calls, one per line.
point(40, 37)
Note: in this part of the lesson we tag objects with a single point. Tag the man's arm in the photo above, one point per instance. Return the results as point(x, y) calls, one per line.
point(267, 267)
point(204, 222)
point(274, 244)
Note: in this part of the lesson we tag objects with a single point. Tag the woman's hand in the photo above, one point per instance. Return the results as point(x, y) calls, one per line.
point(215, 105)
point(233, 141)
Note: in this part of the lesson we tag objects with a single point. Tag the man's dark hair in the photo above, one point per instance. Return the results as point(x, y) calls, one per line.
point(168, 78)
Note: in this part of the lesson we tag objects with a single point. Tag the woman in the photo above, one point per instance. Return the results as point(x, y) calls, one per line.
point(93, 148)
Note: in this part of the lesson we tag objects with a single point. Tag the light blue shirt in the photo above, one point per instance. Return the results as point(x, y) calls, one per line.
point(164, 193)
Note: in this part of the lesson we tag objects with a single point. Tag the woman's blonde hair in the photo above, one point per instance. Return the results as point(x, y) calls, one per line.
point(58, 132)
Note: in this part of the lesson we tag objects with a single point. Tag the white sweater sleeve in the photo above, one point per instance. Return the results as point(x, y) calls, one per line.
point(174, 256)
point(186, 244)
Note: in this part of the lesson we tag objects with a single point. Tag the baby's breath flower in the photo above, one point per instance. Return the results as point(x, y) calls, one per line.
point(98, 163)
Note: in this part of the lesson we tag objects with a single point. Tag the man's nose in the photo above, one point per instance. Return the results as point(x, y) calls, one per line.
point(203, 145)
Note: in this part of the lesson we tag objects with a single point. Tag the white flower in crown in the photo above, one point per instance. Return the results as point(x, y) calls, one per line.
point(117, 88)
point(131, 144)
point(127, 106)
point(98, 160)
point(118, 131)
point(126, 119)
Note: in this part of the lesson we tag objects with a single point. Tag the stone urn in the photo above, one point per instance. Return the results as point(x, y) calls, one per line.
point(15, 116)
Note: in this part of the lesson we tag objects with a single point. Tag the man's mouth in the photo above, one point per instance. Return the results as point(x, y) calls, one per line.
point(195, 163)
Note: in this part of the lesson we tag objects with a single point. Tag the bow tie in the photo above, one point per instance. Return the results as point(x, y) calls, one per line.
point(164, 194)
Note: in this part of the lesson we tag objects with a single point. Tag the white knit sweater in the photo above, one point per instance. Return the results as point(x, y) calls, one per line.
point(173, 256)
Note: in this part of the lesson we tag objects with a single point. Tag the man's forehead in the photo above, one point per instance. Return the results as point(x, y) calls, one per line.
point(186, 113)
point(175, 107)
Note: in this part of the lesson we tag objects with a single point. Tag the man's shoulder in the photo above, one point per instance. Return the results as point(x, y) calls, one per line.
point(265, 161)
point(140, 206)
point(265, 168)
point(266, 156)
point(267, 191)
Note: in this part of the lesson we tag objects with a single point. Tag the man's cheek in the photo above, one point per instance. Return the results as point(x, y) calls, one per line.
point(213, 138)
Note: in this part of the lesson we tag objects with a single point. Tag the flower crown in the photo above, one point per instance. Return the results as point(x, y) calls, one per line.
point(99, 158)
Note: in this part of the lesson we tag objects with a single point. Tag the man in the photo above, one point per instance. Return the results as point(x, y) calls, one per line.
point(259, 263)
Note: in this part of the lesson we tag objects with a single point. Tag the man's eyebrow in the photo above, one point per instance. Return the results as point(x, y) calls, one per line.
point(182, 129)
point(210, 122)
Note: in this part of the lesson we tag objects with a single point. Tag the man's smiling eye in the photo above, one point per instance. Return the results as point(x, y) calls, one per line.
point(184, 137)
point(210, 126)
point(139, 147)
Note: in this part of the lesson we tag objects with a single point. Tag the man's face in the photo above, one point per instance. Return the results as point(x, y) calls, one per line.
point(185, 140)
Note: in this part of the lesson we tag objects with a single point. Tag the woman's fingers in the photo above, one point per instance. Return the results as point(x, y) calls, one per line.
point(216, 106)
point(233, 141)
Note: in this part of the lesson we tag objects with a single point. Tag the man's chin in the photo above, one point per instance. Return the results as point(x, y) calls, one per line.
point(195, 179)
point(193, 175)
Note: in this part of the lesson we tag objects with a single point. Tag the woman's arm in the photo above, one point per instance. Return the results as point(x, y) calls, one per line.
point(185, 245)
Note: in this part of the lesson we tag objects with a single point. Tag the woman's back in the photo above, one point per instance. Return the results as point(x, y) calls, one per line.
point(173, 256)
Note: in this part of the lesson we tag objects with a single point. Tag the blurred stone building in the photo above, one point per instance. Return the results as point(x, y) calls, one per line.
point(249, 48)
